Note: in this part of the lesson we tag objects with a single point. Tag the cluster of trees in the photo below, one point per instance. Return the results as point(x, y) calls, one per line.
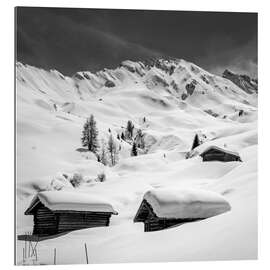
point(137, 140)
point(108, 152)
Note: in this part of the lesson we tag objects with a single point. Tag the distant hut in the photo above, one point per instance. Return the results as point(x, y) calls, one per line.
point(164, 208)
point(215, 153)
point(58, 211)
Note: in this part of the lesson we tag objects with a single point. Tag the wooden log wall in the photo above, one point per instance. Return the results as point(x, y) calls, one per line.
point(82, 220)
point(213, 157)
point(45, 221)
point(214, 154)
point(156, 224)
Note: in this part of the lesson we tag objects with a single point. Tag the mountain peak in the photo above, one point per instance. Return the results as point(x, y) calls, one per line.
point(243, 81)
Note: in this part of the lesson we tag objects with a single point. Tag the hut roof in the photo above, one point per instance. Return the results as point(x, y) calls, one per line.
point(185, 203)
point(70, 201)
point(219, 149)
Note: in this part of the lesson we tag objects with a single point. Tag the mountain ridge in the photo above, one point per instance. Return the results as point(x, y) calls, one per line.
point(243, 81)
point(159, 68)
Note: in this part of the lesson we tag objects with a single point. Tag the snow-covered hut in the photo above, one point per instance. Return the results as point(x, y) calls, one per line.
point(215, 153)
point(58, 211)
point(163, 207)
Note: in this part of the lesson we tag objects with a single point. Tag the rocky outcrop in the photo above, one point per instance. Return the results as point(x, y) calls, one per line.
point(109, 84)
point(246, 83)
point(190, 87)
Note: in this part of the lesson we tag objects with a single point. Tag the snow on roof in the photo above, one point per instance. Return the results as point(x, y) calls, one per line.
point(72, 201)
point(220, 149)
point(186, 203)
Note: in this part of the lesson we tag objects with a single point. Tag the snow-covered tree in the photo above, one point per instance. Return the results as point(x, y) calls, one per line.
point(134, 150)
point(90, 135)
point(112, 149)
point(140, 139)
point(129, 129)
point(103, 155)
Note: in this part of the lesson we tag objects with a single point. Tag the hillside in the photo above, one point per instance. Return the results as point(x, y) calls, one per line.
point(170, 101)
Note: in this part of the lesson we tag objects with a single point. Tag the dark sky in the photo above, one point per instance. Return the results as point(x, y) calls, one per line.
point(70, 40)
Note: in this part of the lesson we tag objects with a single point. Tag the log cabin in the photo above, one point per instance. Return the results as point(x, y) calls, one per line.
point(152, 222)
point(164, 208)
point(58, 212)
point(215, 153)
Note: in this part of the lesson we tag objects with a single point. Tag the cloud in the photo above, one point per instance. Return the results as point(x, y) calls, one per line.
point(69, 46)
point(88, 39)
point(239, 58)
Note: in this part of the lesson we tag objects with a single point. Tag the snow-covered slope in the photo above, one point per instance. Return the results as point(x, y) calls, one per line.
point(177, 99)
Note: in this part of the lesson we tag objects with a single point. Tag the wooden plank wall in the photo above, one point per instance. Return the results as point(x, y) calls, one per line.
point(156, 224)
point(45, 221)
point(76, 221)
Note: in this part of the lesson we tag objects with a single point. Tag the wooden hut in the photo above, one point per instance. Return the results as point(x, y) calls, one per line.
point(164, 208)
point(57, 212)
point(215, 153)
point(152, 222)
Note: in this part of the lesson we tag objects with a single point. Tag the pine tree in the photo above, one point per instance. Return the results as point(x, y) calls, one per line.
point(103, 155)
point(129, 129)
point(90, 134)
point(112, 149)
point(122, 136)
point(118, 137)
point(140, 139)
point(196, 142)
point(134, 150)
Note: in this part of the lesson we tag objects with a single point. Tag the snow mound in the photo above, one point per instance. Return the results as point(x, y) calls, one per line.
point(186, 203)
point(168, 142)
point(74, 201)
